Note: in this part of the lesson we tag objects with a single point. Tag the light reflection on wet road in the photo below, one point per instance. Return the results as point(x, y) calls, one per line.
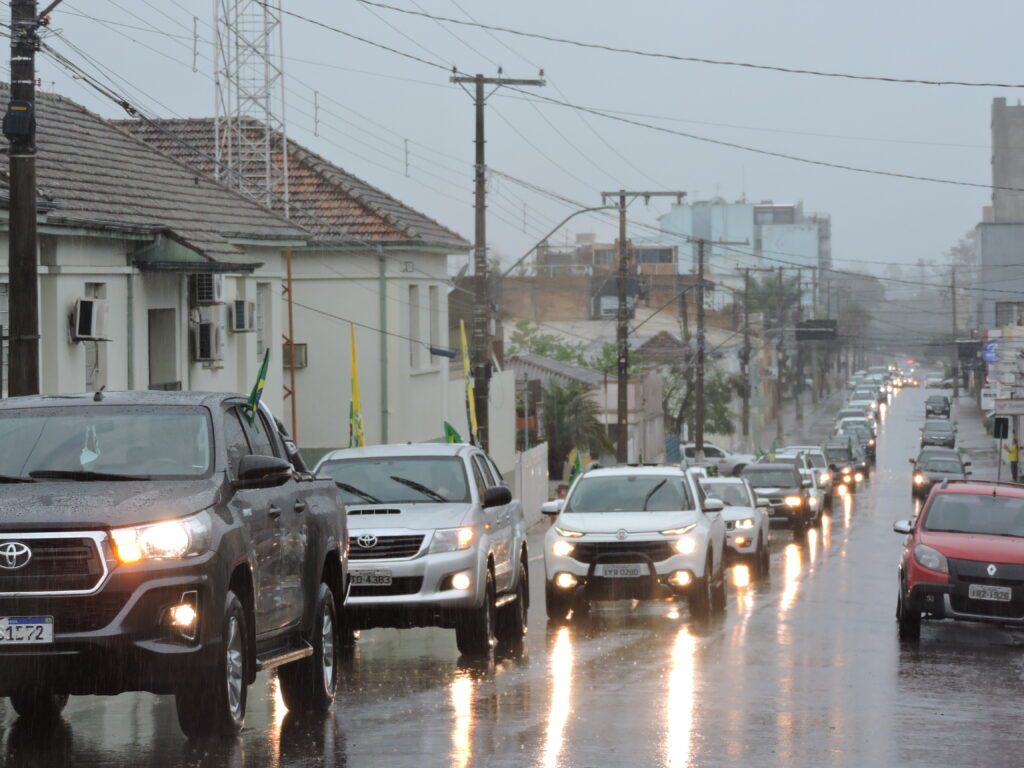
point(804, 670)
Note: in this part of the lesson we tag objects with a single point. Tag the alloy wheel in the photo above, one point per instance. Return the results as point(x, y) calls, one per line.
point(234, 668)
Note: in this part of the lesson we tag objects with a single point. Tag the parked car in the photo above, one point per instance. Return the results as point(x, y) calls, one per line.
point(747, 524)
point(934, 466)
point(786, 492)
point(635, 532)
point(937, 406)
point(162, 542)
point(436, 539)
point(963, 557)
point(725, 463)
point(938, 432)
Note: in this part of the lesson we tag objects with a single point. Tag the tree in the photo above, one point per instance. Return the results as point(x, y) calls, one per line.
point(571, 421)
point(679, 403)
point(528, 338)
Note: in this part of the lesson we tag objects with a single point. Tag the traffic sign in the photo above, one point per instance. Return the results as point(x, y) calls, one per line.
point(817, 330)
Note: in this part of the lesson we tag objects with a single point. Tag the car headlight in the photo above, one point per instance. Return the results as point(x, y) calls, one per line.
point(568, 533)
point(871, 441)
point(824, 477)
point(812, 502)
point(794, 501)
point(451, 540)
point(169, 540)
point(846, 470)
point(918, 479)
point(745, 524)
point(562, 548)
point(930, 558)
point(859, 477)
point(679, 531)
point(685, 545)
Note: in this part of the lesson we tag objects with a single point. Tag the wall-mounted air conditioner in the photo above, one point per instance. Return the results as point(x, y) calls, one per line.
point(89, 320)
point(206, 289)
point(243, 316)
point(207, 337)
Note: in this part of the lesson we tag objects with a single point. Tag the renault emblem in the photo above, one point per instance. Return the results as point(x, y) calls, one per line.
point(991, 570)
point(621, 534)
point(14, 555)
point(367, 541)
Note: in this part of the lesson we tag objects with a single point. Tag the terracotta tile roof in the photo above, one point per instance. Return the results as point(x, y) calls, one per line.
point(329, 202)
point(92, 174)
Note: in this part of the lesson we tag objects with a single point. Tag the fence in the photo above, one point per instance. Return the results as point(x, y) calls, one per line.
point(531, 481)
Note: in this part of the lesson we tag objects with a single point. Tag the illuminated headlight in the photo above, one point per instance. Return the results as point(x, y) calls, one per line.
point(681, 578)
point(451, 539)
point(794, 501)
point(846, 470)
point(930, 558)
point(679, 531)
point(918, 478)
point(824, 477)
point(859, 477)
point(745, 524)
point(169, 540)
point(568, 533)
point(462, 581)
point(871, 441)
point(685, 545)
point(813, 502)
point(566, 581)
point(562, 548)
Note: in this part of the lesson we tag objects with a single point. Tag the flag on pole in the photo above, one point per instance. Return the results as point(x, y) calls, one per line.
point(450, 434)
point(356, 436)
point(470, 397)
point(257, 391)
point(575, 464)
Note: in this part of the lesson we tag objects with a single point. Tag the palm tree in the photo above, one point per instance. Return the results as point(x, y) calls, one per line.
point(571, 421)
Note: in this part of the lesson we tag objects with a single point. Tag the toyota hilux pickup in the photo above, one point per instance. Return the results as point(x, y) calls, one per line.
point(163, 542)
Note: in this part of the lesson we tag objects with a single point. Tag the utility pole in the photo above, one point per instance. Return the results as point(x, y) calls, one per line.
point(779, 348)
point(815, 392)
point(799, 384)
point(622, 322)
point(20, 129)
point(480, 344)
point(956, 348)
point(745, 359)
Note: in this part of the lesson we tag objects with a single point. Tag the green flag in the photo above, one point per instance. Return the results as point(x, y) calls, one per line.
point(450, 435)
point(577, 465)
point(257, 390)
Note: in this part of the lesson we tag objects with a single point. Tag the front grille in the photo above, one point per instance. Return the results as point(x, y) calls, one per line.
point(374, 512)
point(386, 547)
point(622, 551)
point(85, 613)
point(56, 565)
point(1014, 609)
point(402, 585)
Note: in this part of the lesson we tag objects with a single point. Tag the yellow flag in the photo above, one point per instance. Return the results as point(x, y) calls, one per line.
point(470, 398)
point(356, 437)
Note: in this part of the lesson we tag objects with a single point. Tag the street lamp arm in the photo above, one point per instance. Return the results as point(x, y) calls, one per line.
point(561, 224)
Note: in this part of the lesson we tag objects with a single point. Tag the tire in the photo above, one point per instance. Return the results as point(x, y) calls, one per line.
point(215, 705)
point(512, 619)
point(759, 563)
point(39, 706)
point(556, 603)
point(908, 622)
point(309, 685)
point(718, 597)
point(701, 598)
point(474, 633)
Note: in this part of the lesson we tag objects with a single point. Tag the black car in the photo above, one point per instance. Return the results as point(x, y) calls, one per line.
point(938, 432)
point(937, 405)
point(785, 491)
point(163, 542)
point(848, 463)
point(934, 465)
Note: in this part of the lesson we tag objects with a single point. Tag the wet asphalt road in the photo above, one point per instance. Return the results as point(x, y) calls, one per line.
point(804, 670)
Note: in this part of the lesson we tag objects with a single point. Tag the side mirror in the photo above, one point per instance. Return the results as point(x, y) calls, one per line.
point(262, 472)
point(968, 473)
point(498, 496)
point(807, 484)
point(903, 526)
point(912, 461)
point(552, 508)
point(713, 505)
point(764, 504)
point(967, 463)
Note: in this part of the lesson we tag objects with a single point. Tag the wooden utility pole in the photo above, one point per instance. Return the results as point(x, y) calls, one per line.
point(745, 359)
point(622, 319)
point(779, 364)
point(480, 343)
point(799, 388)
point(815, 393)
point(956, 347)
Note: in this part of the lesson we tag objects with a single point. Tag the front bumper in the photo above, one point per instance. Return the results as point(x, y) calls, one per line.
point(734, 550)
point(951, 601)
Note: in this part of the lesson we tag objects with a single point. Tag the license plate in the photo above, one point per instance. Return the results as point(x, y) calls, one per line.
point(371, 578)
point(26, 630)
point(986, 592)
point(621, 571)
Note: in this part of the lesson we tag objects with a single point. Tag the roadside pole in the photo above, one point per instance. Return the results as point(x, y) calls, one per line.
point(956, 348)
point(745, 359)
point(779, 350)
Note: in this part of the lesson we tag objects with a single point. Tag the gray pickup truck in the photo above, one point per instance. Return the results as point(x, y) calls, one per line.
point(164, 542)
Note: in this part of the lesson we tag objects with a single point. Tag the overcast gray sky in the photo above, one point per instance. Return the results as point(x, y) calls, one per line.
point(371, 101)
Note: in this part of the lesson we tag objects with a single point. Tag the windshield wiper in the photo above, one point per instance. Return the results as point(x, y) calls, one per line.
point(654, 490)
point(82, 475)
point(428, 492)
point(360, 493)
point(15, 479)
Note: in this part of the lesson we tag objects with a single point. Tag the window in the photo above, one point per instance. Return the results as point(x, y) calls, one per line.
point(262, 318)
point(414, 326)
point(95, 355)
point(234, 440)
point(435, 316)
point(484, 470)
point(712, 453)
point(301, 356)
point(481, 486)
point(400, 480)
point(259, 436)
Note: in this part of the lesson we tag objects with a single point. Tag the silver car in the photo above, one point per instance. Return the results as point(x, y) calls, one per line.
point(435, 539)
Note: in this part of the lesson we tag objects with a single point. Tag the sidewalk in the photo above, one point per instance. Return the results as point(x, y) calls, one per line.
point(818, 422)
point(981, 449)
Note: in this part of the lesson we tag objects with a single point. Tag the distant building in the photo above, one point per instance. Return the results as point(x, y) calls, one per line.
point(1007, 162)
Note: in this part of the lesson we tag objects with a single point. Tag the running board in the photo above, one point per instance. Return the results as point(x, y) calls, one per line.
point(504, 600)
point(278, 658)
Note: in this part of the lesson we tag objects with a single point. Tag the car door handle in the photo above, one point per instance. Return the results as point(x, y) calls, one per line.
point(300, 506)
point(274, 511)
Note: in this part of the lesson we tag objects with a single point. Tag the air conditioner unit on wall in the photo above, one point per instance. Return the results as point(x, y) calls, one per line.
point(89, 320)
point(205, 289)
point(207, 337)
point(243, 316)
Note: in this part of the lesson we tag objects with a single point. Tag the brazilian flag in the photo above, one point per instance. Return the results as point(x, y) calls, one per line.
point(450, 435)
point(257, 390)
point(576, 463)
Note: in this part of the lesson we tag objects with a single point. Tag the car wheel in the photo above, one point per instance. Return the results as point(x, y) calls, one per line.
point(40, 706)
point(759, 562)
point(512, 619)
point(215, 704)
point(702, 595)
point(557, 603)
point(309, 685)
point(907, 621)
point(474, 633)
point(718, 597)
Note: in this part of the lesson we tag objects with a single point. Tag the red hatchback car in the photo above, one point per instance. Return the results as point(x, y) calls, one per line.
point(963, 558)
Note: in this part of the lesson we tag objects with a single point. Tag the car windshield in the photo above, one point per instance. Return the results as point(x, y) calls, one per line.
point(630, 493)
point(771, 478)
point(400, 480)
point(731, 494)
point(165, 442)
point(981, 514)
point(817, 460)
point(837, 455)
point(942, 427)
point(942, 465)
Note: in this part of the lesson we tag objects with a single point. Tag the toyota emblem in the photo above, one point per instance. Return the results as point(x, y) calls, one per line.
point(621, 534)
point(14, 555)
point(991, 570)
point(367, 541)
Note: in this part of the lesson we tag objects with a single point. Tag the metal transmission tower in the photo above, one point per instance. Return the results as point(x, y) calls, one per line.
point(249, 108)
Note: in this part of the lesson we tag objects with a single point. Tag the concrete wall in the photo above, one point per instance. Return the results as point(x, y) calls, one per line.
point(1002, 255)
point(542, 299)
point(1007, 161)
point(530, 484)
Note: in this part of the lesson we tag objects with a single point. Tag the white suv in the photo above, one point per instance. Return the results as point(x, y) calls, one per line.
point(747, 525)
point(635, 533)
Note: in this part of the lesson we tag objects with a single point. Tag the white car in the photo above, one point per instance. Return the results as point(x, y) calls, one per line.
point(747, 524)
point(816, 456)
point(635, 533)
point(725, 463)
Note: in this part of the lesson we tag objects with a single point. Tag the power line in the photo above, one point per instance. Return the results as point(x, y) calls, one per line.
point(692, 59)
